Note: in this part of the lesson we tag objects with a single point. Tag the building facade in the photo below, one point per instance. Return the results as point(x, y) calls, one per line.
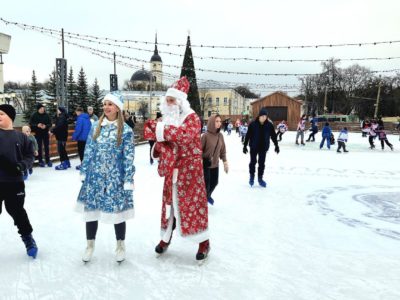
point(224, 101)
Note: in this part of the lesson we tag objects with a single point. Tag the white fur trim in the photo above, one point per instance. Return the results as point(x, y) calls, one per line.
point(177, 94)
point(114, 99)
point(108, 218)
point(152, 152)
point(166, 236)
point(82, 177)
point(128, 186)
point(160, 131)
point(174, 176)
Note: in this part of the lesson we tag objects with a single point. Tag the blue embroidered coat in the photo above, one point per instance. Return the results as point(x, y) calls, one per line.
point(108, 171)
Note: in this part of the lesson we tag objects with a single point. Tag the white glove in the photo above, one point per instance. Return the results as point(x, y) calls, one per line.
point(226, 167)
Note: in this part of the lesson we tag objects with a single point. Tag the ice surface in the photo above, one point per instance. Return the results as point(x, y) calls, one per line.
point(326, 227)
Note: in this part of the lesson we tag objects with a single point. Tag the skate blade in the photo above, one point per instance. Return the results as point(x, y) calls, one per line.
point(202, 262)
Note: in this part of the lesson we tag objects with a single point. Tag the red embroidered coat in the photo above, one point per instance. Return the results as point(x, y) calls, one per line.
point(181, 150)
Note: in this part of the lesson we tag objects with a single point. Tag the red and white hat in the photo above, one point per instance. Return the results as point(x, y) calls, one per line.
point(179, 89)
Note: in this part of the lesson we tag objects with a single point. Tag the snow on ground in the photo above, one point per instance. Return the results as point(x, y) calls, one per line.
point(326, 227)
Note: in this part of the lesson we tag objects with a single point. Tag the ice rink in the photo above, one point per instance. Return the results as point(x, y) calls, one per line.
point(326, 227)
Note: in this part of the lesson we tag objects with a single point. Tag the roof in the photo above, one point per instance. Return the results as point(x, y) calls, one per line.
point(141, 75)
point(280, 93)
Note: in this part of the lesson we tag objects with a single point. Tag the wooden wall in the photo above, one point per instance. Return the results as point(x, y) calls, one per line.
point(280, 99)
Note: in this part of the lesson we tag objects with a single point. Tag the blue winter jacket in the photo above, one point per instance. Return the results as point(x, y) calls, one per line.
point(82, 127)
point(326, 132)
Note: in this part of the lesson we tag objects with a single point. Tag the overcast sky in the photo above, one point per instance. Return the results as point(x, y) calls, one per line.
point(212, 22)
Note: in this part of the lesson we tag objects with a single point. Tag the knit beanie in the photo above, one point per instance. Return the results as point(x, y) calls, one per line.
point(8, 110)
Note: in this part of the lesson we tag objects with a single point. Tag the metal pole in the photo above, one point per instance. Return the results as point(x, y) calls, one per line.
point(377, 99)
point(115, 66)
point(62, 41)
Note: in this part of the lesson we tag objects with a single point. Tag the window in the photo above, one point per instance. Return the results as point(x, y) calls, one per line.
point(217, 101)
point(210, 101)
point(209, 113)
point(225, 101)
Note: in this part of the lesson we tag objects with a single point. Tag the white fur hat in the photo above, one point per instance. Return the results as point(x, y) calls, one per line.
point(115, 98)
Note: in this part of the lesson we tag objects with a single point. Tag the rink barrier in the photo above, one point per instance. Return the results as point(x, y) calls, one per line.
point(72, 146)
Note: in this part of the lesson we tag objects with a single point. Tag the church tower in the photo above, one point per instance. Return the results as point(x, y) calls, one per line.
point(156, 65)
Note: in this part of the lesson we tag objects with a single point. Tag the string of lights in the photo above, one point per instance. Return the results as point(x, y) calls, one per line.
point(233, 58)
point(54, 31)
point(206, 70)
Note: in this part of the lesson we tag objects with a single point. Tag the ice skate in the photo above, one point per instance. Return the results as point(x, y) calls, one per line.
point(251, 181)
point(87, 256)
point(202, 253)
point(120, 251)
point(163, 246)
point(30, 244)
point(261, 182)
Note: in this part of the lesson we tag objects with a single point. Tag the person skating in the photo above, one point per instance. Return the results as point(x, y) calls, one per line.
point(301, 127)
point(313, 129)
point(372, 133)
point(60, 130)
point(16, 156)
point(281, 129)
point(326, 135)
point(40, 124)
point(107, 172)
point(178, 147)
point(383, 137)
point(243, 131)
point(82, 129)
point(342, 140)
point(213, 146)
point(27, 131)
point(258, 136)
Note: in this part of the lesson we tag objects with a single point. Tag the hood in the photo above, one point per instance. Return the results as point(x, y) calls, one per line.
point(62, 110)
point(84, 116)
point(211, 125)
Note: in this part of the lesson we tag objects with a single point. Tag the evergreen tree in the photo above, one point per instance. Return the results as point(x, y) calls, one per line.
point(33, 98)
point(188, 70)
point(71, 91)
point(96, 98)
point(82, 90)
point(51, 93)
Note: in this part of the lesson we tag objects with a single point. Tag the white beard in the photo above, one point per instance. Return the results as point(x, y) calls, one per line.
point(171, 115)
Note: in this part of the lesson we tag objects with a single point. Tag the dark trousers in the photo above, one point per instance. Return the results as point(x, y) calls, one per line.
point(253, 161)
point(81, 149)
point(371, 141)
point(43, 140)
point(279, 135)
point(387, 143)
point(312, 135)
point(62, 151)
point(13, 195)
point(151, 143)
point(210, 179)
point(341, 145)
point(91, 230)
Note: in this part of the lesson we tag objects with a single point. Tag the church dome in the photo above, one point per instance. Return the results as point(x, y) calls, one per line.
point(141, 75)
point(156, 57)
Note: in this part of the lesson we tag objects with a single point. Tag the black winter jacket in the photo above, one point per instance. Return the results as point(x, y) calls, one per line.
point(256, 131)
